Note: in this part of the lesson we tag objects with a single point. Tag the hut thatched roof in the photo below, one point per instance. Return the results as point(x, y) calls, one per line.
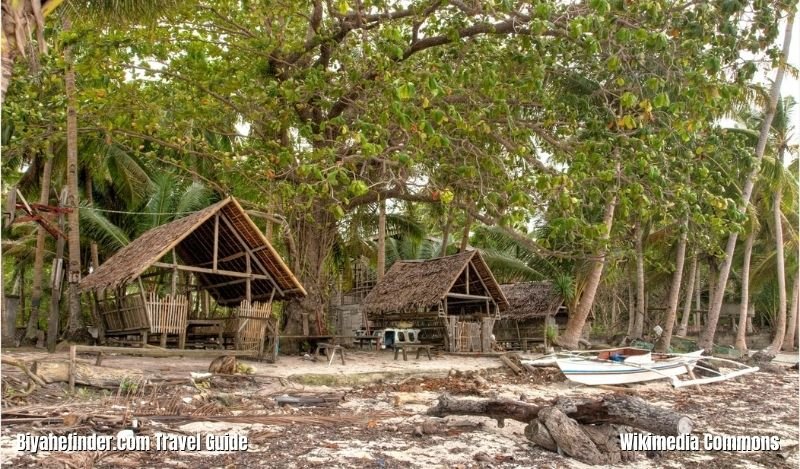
point(411, 285)
point(531, 299)
point(192, 237)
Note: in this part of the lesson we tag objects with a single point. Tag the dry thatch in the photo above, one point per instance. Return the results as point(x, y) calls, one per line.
point(413, 285)
point(192, 237)
point(531, 300)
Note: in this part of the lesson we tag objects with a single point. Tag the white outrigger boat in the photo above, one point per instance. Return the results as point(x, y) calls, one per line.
point(634, 365)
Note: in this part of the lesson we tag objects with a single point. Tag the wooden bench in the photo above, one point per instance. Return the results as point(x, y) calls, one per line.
point(418, 348)
point(330, 352)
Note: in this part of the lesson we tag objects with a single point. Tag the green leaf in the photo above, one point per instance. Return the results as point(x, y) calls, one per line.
point(628, 99)
point(661, 100)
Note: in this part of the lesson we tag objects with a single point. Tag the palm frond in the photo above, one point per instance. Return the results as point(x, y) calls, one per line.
point(194, 198)
point(100, 229)
point(508, 269)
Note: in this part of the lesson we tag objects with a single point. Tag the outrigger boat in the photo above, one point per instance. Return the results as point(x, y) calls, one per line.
point(634, 365)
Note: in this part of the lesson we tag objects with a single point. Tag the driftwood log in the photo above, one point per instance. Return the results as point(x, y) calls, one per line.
point(586, 429)
point(618, 409)
point(58, 371)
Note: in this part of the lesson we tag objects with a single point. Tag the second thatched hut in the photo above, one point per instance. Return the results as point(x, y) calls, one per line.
point(452, 299)
point(534, 308)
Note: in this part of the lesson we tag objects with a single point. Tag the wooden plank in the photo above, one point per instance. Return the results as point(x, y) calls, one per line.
point(462, 296)
point(202, 270)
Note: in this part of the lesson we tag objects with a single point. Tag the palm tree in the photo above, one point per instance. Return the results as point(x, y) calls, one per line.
point(21, 17)
point(707, 337)
point(775, 181)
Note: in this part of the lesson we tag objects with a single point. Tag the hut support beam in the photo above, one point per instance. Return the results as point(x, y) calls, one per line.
point(462, 296)
point(250, 253)
point(231, 257)
point(223, 284)
point(248, 295)
point(228, 273)
point(485, 288)
point(144, 303)
point(216, 241)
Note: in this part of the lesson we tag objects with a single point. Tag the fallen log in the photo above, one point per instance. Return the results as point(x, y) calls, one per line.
point(507, 361)
point(617, 409)
point(628, 410)
point(537, 433)
point(58, 371)
point(570, 437)
point(498, 409)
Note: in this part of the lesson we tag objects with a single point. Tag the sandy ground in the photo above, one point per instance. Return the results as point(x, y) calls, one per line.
point(372, 421)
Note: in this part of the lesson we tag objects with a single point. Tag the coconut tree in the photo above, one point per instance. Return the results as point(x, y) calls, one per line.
point(707, 337)
point(775, 182)
point(20, 18)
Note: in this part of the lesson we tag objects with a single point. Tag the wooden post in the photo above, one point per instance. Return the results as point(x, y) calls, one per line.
point(147, 311)
point(466, 278)
point(247, 281)
point(452, 326)
point(173, 290)
point(216, 241)
point(101, 327)
point(486, 335)
point(72, 352)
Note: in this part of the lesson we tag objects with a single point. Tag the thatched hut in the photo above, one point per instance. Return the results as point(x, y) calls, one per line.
point(532, 307)
point(454, 299)
point(163, 281)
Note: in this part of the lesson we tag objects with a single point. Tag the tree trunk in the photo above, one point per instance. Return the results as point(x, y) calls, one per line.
point(570, 438)
point(780, 327)
point(38, 262)
point(631, 307)
point(577, 318)
point(687, 301)
point(381, 239)
point(611, 408)
point(446, 232)
point(614, 308)
point(55, 286)
point(744, 307)
point(791, 330)
point(674, 290)
point(75, 324)
point(314, 235)
point(465, 234)
point(57, 371)
point(638, 324)
point(707, 337)
point(95, 255)
point(8, 55)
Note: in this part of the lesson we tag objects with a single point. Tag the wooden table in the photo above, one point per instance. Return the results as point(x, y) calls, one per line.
point(418, 348)
point(330, 352)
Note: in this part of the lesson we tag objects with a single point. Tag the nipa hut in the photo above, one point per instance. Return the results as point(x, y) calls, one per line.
point(533, 306)
point(453, 299)
point(163, 282)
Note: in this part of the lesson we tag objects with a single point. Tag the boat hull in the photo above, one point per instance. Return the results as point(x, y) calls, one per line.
point(597, 372)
